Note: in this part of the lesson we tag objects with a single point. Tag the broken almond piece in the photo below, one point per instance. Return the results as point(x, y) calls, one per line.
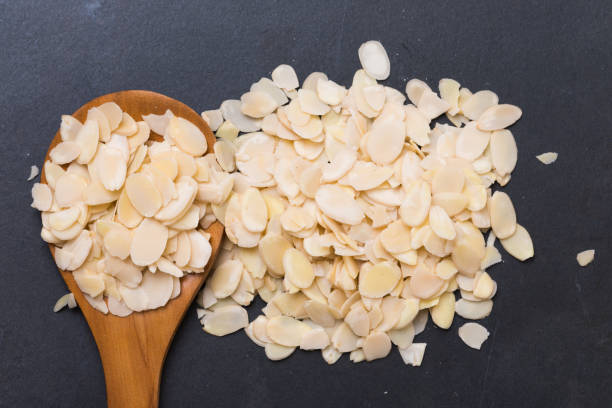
point(473, 334)
point(585, 257)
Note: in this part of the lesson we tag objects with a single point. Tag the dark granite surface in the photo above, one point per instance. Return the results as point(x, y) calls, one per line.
point(551, 328)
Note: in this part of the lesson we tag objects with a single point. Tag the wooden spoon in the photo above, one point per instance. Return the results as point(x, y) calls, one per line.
point(133, 348)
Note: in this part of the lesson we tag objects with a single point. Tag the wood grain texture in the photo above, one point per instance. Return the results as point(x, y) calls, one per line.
point(133, 348)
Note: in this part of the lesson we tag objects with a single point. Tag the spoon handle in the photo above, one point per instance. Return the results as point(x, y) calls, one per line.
point(133, 353)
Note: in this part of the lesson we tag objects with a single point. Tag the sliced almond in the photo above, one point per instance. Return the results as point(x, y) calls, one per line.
point(585, 257)
point(286, 330)
point(297, 268)
point(473, 334)
point(254, 211)
point(474, 105)
point(413, 354)
point(376, 345)
point(339, 204)
point(499, 117)
point(547, 158)
point(503, 152)
point(473, 310)
point(148, 242)
point(379, 280)
point(519, 244)
point(226, 278)
point(374, 60)
point(225, 320)
point(284, 77)
point(42, 198)
point(503, 216)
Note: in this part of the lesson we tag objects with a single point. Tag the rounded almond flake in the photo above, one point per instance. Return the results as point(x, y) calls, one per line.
point(113, 114)
point(188, 137)
point(254, 211)
point(379, 280)
point(374, 96)
point(143, 195)
point(69, 190)
point(69, 128)
point(127, 126)
point(504, 152)
point(477, 103)
point(343, 339)
point(330, 92)
point(548, 157)
point(441, 223)
point(268, 86)
point(519, 244)
point(42, 198)
point(286, 331)
point(385, 141)
point(449, 179)
point(65, 152)
point(112, 167)
point(452, 203)
point(63, 219)
point(585, 257)
point(339, 165)
point(284, 77)
point(148, 242)
point(339, 204)
point(315, 339)
point(431, 105)
point(103, 125)
point(415, 89)
point(425, 284)
point(201, 249)
point(395, 238)
point(225, 320)
point(297, 268)
point(186, 190)
point(87, 139)
point(231, 110)
point(449, 91)
point(257, 104)
point(503, 216)
point(499, 117)
point(442, 314)
point(224, 153)
point(225, 278)
point(473, 334)
point(471, 142)
point(374, 60)
point(276, 352)
point(417, 202)
point(473, 310)
point(376, 345)
point(484, 286)
point(366, 176)
point(272, 248)
point(310, 103)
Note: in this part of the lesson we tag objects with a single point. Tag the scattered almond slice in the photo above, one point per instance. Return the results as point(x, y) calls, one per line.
point(499, 117)
point(547, 158)
point(585, 257)
point(225, 320)
point(473, 335)
point(284, 77)
point(473, 310)
point(33, 173)
point(519, 244)
point(374, 60)
point(413, 354)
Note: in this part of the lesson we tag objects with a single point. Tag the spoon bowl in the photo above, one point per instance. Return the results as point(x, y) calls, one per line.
point(133, 348)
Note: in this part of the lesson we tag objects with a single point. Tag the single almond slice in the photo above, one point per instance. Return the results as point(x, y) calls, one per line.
point(232, 111)
point(503, 216)
point(374, 60)
point(376, 345)
point(254, 212)
point(413, 354)
point(547, 158)
point(87, 139)
point(297, 268)
point(127, 126)
point(471, 142)
point(474, 105)
point(315, 339)
point(188, 137)
point(431, 105)
point(385, 141)
point(148, 242)
point(225, 279)
point(395, 238)
point(201, 249)
point(257, 104)
point(442, 314)
point(224, 153)
point(286, 331)
point(415, 89)
point(449, 92)
point(143, 194)
point(441, 223)
point(473, 334)
point(284, 77)
point(585, 257)
point(277, 352)
point(339, 165)
point(213, 118)
point(69, 190)
point(112, 167)
point(272, 249)
point(158, 123)
point(310, 103)
point(503, 152)
point(379, 280)
point(225, 320)
point(473, 310)
point(42, 198)
point(97, 115)
point(417, 202)
point(499, 117)
point(339, 204)
point(69, 128)
point(519, 244)
point(65, 152)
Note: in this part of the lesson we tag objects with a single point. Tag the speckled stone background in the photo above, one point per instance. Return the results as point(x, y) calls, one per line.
point(551, 327)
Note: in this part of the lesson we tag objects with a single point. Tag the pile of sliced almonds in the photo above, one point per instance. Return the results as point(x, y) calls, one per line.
point(353, 216)
point(127, 214)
